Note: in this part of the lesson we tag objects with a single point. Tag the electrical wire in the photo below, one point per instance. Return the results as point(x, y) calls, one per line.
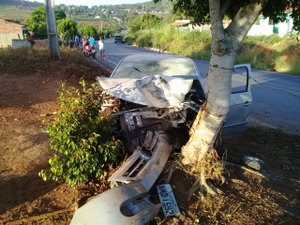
point(297, 94)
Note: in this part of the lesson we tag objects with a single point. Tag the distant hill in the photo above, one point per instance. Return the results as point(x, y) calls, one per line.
point(123, 13)
point(22, 3)
point(20, 9)
point(17, 9)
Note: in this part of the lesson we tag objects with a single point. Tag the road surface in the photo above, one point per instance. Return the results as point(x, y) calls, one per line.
point(276, 96)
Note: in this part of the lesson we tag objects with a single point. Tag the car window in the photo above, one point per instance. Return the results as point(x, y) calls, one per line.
point(165, 67)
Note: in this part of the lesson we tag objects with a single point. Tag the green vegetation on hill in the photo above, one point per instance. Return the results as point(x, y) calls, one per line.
point(20, 3)
point(121, 14)
point(17, 9)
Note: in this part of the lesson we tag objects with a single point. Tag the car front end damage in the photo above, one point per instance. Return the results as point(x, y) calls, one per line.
point(150, 133)
point(154, 115)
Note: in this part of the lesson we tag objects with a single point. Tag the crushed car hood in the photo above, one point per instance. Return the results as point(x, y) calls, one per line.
point(157, 91)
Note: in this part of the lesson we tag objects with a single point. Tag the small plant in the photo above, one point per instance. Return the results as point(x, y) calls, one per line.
point(82, 138)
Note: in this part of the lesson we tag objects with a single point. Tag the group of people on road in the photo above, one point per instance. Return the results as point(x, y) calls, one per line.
point(91, 43)
point(87, 44)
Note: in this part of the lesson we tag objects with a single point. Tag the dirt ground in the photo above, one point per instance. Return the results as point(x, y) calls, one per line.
point(28, 95)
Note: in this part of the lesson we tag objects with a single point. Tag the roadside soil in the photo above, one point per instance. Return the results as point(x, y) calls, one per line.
point(28, 96)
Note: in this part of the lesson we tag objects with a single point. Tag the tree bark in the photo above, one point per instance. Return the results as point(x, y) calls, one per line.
point(211, 116)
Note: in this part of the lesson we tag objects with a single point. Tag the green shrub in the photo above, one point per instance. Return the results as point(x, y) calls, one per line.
point(163, 37)
point(66, 28)
point(129, 39)
point(88, 30)
point(143, 21)
point(144, 38)
point(82, 138)
point(37, 21)
point(193, 44)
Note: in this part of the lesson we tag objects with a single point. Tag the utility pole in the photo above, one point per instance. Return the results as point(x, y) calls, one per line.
point(51, 29)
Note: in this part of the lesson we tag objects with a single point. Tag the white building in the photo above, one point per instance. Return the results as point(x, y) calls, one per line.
point(265, 26)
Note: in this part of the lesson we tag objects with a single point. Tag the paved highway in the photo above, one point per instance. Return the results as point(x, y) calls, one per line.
point(276, 96)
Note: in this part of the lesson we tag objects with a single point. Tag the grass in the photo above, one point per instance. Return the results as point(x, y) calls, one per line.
point(14, 13)
point(25, 58)
point(11, 60)
point(271, 53)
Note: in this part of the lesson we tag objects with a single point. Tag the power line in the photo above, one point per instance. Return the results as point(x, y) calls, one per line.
point(297, 94)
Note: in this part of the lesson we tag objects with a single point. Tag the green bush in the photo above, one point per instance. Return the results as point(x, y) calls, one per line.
point(144, 38)
point(129, 39)
point(163, 37)
point(66, 28)
point(88, 30)
point(37, 21)
point(82, 138)
point(143, 22)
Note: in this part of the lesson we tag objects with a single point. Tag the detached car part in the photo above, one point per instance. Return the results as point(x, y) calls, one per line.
point(146, 163)
point(124, 205)
point(129, 203)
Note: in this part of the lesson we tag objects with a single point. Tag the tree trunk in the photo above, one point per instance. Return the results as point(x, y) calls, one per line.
point(225, 43)
point(210, 119)
point(211, 116)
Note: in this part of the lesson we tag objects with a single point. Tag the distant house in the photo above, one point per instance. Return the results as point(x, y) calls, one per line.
point(262, 26)
point(10, 31)
point(188, 25)
point(181, 24)
point(265, 26)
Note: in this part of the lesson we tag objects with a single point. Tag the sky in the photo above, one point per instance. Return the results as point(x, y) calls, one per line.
point(93, 2)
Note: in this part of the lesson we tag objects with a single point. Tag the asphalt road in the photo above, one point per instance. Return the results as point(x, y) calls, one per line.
point(276, 96)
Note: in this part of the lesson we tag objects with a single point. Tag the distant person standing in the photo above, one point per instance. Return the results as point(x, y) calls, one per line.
point(84, 40)
point(77, 38)
point(30, 38)
point(101, 48)
point(92, 41)
point(77, 41)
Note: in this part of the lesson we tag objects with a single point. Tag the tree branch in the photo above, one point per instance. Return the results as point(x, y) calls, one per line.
point(224, 7)
point(217, 28)
point(243, 21)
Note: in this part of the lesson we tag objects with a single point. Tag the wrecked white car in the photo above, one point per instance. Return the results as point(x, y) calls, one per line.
point(163, 80)
point(157, 97)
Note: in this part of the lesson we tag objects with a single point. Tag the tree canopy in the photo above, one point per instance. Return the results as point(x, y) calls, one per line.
point(89, 30)
point(66, 28)
point(276, 10)
point(37, 21)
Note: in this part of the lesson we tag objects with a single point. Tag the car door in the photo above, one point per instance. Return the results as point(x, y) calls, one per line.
point(240, 100)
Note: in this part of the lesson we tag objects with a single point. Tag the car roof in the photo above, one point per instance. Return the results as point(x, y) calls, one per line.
point(155, 64)
point(152, 56)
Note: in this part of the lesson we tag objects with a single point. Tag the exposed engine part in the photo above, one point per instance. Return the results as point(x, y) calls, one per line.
point(110, 105)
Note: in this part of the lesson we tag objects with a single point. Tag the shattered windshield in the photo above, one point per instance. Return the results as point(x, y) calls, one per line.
point(140, 67)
